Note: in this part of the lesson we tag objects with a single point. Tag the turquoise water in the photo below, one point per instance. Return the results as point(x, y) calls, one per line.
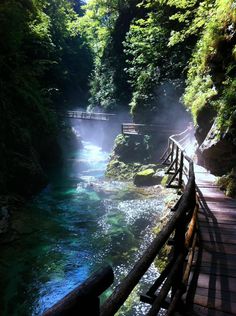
point(79, 223)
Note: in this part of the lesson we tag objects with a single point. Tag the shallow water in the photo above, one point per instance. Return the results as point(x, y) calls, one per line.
point(79, 223)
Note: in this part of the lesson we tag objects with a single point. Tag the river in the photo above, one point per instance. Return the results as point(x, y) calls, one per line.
point(77, 224)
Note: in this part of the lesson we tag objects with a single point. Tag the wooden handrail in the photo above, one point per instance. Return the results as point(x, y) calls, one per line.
point(89, 115)
point(132, 128)
point(177, 223)
point(84, 300)
point(115, 301)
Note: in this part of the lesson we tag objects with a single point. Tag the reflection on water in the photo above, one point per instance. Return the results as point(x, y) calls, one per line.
point(79, 223)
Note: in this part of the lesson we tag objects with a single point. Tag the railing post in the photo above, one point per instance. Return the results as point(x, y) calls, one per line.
point(179, 249)
point(172, 151)
point(181, 165)
point(177, 158)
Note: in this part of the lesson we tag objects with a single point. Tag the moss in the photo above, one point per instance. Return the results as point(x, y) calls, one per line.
point(163, 256)
point(164, 180)
point(147, 172)
point(211, 76)
point(165, 252)
point(228, 184)
point(121, 171)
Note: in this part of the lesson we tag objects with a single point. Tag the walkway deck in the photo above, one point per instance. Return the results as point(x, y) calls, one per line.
point(212, 286)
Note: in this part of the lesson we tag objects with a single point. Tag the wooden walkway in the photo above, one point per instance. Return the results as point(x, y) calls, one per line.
point(212, 283)
point(141, 129)
point(89, 115)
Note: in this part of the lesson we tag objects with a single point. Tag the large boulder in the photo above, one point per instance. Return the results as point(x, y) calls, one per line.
point(218, 151)
point(146, 177)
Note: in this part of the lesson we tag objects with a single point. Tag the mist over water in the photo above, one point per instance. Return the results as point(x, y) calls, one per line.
point(101, 133)
point(171, 109)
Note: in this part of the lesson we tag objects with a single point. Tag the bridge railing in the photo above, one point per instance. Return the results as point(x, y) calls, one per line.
point(89, 115)
point(84, 300)
point(140, 129)
point(179, 232)
point(177, 159)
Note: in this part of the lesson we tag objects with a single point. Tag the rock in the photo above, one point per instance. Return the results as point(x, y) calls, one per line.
point(142, 149)
point(146, 178)
point(205, 119)
point(149, 166)
point(217, 153)
point(228, 183)
point(121, 171)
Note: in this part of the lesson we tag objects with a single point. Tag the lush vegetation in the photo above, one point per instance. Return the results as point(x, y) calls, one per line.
point(168, 47)
point(135, 53)
point(43, 66)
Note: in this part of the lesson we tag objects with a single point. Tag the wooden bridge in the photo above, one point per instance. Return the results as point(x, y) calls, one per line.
point(89, 115)
point(199, 278)
point(141, 129)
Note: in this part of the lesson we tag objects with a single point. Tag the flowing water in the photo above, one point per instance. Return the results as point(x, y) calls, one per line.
point(78, 224)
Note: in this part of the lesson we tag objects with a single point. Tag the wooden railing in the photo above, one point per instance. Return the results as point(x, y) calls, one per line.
point(89, 115)
point(177, 159)
point(179, 232)
point(84, 300)
point(140, 129)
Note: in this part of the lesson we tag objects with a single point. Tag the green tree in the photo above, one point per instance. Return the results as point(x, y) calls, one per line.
point(40, 61)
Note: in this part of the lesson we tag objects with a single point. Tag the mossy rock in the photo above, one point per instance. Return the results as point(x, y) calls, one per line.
point(228, 184)
point(146, 178)
point(121, 171)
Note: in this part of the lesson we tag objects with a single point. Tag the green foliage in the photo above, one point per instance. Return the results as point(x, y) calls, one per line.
point(104, 27)
point(211, 76)
point(97, 23)
point(41, 68)
point(102, 88)
point(145, 48)
point(151, 61)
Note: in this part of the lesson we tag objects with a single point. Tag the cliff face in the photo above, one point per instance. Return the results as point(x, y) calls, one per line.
point(210, 91)
point(28, 148)
point(218, 150)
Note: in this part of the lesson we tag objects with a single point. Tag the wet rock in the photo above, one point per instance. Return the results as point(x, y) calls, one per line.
point(228, 183)
point(218, 152)
point(205, 119)
point(146, 178)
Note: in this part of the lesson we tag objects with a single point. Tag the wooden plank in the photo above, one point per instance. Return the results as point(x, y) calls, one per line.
point(214, 282)
point(198, 310)
point(227, 248)
point(226, 296)
point(215, 303)
point(219, 270)
point(216, 229)
point(215, 223)
point(215, 257)
point(220, 222)
point(218, 234)
point(218, 217)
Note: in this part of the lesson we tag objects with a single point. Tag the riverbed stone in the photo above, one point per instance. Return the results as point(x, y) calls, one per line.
point(146, 178)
